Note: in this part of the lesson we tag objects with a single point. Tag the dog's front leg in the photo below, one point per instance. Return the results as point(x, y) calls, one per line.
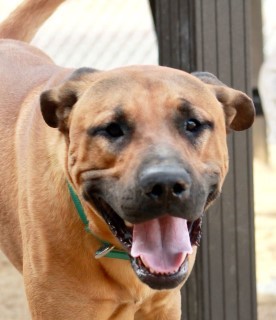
point(63, 299)
point(78, 308)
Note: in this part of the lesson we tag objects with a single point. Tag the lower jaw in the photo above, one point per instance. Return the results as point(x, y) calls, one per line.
point(160, 281)
point(165, 273)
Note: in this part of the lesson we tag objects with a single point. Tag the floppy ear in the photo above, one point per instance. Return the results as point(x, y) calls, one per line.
point(238, 107)
point(56, 104)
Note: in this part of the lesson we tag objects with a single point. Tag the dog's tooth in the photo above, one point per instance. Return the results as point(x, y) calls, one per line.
point(151, 270)
point(144, 263)
point(128, 224)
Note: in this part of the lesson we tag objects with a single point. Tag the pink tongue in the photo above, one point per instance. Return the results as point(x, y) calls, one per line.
point(162, 243)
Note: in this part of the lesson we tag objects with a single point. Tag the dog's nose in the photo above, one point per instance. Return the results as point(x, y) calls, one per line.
point(165, 184)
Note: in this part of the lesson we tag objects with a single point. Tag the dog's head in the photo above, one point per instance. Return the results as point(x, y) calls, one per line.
point(146, 148)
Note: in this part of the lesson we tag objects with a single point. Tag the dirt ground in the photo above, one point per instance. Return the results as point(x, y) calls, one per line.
point(13, 304)
point(265, 235)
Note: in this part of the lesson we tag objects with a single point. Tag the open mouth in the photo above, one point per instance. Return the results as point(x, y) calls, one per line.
point(163, 268)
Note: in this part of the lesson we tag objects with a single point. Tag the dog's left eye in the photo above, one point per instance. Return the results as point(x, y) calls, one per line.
point(192, 125)
point(114, 130)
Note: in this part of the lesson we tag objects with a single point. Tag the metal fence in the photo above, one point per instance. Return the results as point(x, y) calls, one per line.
point(101, 34)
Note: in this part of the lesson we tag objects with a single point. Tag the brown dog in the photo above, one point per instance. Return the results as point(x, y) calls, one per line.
point(144, 150)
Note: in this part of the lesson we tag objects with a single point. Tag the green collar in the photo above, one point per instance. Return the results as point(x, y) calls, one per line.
point(107, 250)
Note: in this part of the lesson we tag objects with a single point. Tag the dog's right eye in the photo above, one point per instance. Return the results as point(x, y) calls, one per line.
point(192, 125)
point(114, 130)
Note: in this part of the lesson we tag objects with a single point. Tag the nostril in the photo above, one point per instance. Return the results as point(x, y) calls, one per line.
point(164, 184)
point(156, 191)
point(178, 189)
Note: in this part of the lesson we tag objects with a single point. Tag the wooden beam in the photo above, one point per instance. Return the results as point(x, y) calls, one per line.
point(212, 35)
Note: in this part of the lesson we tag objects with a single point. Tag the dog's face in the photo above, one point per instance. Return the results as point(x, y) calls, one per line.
point(147, 150)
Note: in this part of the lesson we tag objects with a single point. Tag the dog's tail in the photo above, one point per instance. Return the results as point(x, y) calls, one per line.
point(23, 23)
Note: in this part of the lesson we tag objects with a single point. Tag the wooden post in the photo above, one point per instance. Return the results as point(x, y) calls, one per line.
point(212, 35)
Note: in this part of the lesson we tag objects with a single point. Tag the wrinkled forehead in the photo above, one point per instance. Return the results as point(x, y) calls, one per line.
point(146, 78)
point(147, 87)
